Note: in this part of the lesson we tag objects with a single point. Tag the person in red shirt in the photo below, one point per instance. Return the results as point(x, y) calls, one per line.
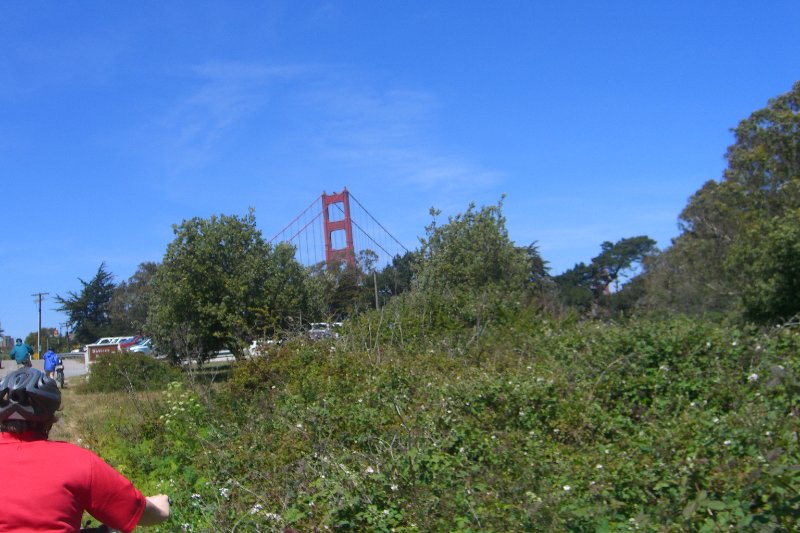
point(47, 485)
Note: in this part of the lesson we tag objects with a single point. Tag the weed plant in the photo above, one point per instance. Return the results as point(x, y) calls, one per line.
point(512, 422)
point(124, 370)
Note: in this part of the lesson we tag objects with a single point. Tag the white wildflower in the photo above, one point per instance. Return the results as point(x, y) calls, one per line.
point(599, 466)
point(225, 492)
point(567, 488)
point(727, 443)
point(752, 378)
point(256, 509)
point(369, 470)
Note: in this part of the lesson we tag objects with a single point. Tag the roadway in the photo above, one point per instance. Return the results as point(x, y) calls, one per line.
point(73, 365)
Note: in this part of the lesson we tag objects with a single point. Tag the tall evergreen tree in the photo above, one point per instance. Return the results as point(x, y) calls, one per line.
point(88, 311)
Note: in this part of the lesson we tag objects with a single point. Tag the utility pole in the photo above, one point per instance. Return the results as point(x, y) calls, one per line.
point(39, 296)
point(65, 325)
point(375, 283)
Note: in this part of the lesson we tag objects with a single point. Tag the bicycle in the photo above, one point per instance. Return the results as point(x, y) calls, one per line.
point(58, 375)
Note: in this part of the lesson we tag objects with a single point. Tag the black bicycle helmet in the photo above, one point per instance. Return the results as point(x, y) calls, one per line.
point(28, 394)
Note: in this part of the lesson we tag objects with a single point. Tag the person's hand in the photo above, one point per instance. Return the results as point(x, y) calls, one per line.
point(155, 511)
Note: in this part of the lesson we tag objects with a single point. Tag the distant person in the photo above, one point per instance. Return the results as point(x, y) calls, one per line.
point(47, 485)
point(51, 360)
point(21, 353)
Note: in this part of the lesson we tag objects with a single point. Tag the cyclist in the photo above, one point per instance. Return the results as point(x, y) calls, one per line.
point(49, 484)
point(51, 360)
point(21, 353)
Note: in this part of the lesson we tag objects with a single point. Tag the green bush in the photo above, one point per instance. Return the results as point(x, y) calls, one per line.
point(121, 371)
point(536, 424)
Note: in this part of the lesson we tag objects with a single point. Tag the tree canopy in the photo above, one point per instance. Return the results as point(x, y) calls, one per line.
point(219, 286)
point(583, 285)
point(130, 302)
point(473, 250)
point(89, 310)
point(727, 244)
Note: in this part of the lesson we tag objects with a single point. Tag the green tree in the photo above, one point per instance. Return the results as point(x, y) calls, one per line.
point(585, 286)
point(470, 252)
point(286, 298)
point(49, 338)
point(219, 286)
point(88, 311)
point(575, 286)
point(769, 257)
point(704, 269)
point(130, 302)
point(395, 278)
point(469, 271)
point(538, 269)
point(337, 289)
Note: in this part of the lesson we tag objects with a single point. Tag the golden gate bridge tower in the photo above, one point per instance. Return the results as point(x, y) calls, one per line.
point(337, 229)
point(333, 205)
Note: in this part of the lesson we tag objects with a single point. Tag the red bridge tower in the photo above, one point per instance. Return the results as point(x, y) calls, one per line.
point(336, 211)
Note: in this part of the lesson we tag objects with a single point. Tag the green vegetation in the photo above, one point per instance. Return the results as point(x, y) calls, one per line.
point(129, 371)
point(731, 257)
point(484, 394)
point(88, 311)
point(541, 425)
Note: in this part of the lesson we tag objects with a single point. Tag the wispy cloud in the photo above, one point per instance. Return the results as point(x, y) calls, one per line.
point(393, 131)
point(221, 96)
point(333, 114)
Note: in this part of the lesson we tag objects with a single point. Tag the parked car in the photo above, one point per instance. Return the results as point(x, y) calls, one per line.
point(121, 342)
point(259, 345)
point(131, 341)
point(144, 346)
point(320, 330)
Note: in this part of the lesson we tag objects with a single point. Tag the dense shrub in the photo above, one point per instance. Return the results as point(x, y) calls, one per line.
point(129, 371)
point(538, 425)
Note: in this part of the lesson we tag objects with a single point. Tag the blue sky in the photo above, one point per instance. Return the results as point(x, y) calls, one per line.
point(597, 120)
